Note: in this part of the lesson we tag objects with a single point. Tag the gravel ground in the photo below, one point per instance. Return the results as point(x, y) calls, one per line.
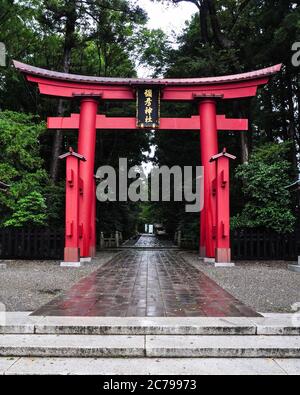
point(27, 285)
point(267, 287)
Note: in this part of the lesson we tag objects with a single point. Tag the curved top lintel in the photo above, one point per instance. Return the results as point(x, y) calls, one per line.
point(54, 75)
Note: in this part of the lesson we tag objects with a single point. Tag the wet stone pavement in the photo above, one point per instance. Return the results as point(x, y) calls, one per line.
point(146, 284)
point(151, 241)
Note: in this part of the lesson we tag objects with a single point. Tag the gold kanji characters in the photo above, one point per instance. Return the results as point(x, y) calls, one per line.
point(148, 93)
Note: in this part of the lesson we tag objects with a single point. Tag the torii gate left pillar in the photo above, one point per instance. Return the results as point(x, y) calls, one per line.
point(86, 148)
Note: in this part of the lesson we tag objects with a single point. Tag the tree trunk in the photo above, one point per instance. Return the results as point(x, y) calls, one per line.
point(71, 18)
point(247, 113)
point(283, 109)
point(203, 13)
point(267, 97)
point(291, 128)
point(220, 39)
point(57, 144)
point(202, 6)
point(244, 147)
point(244, 141)
point(298, 102)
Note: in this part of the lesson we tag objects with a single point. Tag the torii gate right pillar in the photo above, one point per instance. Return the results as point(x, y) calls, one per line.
point(209, 148)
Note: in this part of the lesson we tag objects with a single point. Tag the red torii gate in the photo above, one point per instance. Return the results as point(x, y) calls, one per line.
point(215, 233)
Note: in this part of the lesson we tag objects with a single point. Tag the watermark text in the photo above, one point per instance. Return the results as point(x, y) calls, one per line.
point(163, 184)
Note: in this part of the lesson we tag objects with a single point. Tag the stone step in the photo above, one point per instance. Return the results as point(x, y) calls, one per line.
point(148, 366)
point(23, 323)
point(223, 346)
point(145, 326)
point(103, 346)
point(294, 268)
point(71, 346)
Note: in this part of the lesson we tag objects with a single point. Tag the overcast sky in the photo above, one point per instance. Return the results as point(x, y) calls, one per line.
point(168, 18)
point(165, 17)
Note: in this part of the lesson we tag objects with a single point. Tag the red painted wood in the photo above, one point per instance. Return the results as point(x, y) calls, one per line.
point(223, 251)
point(93, 241)
point(69, 229)
point(71, 91)
point(70, 85)
point(86, 147)
point(228, 91)
point(179, 93)
point(70, 176)
point(103, 122)
point(72, 210)
point(84, 79)
point(202, 247)
point(209, 148)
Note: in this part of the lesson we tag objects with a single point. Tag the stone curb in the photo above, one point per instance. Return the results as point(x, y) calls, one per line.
point(71, 346)
point(22, 323)
point(78, 346)
point(223, 346)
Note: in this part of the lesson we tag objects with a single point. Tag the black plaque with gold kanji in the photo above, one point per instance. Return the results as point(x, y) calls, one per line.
point(148, 107)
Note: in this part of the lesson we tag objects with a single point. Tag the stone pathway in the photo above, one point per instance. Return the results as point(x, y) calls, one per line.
point(150, 241)
point(147, 284)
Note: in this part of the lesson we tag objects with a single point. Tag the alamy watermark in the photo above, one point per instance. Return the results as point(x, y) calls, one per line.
point(2, 55)
point(162, 184)
point(296, 55)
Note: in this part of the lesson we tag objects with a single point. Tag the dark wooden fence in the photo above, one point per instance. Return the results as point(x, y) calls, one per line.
point(36, 243)
point(256, 244)
point(247, 244)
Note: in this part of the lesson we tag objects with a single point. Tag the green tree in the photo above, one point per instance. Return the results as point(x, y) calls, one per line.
point(20, 163)
point(85, 37)
point(80, 22)
point(153, 50)
point(264, 180)
point(263, 32)
point(209, 20)
point(30, 210)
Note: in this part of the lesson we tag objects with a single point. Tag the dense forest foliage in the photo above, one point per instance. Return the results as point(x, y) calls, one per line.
point(111, 38)
point(234, 36)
